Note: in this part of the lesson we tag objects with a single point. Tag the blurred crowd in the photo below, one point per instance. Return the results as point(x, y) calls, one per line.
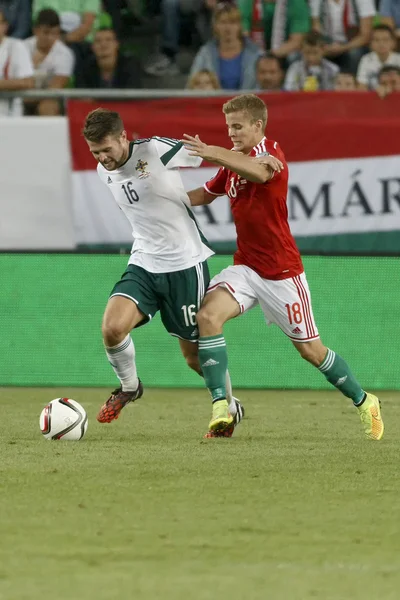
point(269, 45)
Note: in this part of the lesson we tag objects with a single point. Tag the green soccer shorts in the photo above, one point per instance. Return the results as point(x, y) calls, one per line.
point(176, 295)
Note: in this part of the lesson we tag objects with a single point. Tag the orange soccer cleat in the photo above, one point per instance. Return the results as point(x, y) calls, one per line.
point(116, 402)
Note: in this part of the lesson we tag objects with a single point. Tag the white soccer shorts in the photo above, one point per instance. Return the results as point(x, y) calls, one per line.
point(286, 302)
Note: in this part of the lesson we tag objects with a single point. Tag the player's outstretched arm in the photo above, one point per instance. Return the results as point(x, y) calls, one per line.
point(244, 166)
point(199, 196)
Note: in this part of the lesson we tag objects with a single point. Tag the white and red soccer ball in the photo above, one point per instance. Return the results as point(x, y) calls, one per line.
point(63, 419)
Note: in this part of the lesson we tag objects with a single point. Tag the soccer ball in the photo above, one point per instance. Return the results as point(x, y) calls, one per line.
point(63, 419)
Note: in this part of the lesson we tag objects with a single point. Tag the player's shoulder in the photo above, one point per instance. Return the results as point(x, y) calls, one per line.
point(275, 149)
point(164, 144)
point(265, 147)
point(271, 147)
point(166, 141)
point(156, 142)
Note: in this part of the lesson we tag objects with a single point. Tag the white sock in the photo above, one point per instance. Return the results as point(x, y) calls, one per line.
point(122, 359)
point(229, 397)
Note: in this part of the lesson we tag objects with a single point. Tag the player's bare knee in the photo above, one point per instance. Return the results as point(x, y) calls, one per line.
point(209, 322)
point(114, 332)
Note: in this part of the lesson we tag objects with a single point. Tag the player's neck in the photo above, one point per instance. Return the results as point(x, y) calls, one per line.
point(125, 155)
point(256, 141)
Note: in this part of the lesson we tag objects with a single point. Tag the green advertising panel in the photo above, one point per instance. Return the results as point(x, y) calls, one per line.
point(52, 304)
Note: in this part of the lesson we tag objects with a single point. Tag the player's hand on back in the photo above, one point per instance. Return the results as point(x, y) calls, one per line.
point(196, 147)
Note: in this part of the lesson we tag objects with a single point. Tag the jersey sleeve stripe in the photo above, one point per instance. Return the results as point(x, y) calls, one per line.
point(164, 142)
point(165, 158)
point(210, 192)
point(167, 142)
point(167, 139)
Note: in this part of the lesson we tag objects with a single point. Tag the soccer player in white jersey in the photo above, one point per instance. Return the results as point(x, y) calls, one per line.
point(167, 269)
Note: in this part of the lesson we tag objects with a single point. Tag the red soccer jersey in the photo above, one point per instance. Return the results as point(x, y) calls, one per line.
point(264, 240)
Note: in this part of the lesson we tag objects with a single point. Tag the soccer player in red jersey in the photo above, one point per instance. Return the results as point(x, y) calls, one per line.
point(267, 266)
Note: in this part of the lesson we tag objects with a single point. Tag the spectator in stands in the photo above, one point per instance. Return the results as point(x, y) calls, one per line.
point(312, 72)
point(203, 80)
point(269, 73)
point(388, 80)
point(232, 56)
point(347, 25)
point(345, 82)
point(108, 68)
point(277, 25)
point(18, 16)
point(16, 70)
point(383, 42)
point(52, 60)
point(79, 19)
point(164, 63)
point(389, 11)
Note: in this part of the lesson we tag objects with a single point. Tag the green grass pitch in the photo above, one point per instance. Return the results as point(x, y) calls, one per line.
point(298, 505)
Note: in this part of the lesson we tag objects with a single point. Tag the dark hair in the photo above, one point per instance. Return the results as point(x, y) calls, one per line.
point(101, 123)
point(383, 27)
point(313, 38)
point(389, 69)
point(270, 56)
point(47, 17)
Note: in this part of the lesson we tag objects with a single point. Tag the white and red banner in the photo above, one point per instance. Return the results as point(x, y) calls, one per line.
point(343, 151)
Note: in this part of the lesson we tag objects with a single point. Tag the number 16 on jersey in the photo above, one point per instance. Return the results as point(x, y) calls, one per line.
point(130, 193)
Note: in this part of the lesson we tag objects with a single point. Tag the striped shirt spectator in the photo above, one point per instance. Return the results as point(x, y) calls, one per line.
point(346, 25)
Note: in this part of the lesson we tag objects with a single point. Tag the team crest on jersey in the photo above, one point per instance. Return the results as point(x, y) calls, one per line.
point(141, 167)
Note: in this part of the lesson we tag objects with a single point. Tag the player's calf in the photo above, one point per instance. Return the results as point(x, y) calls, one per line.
point(313, 351)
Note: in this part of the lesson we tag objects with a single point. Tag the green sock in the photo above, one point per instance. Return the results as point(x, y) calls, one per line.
point(214, 364)
point(338, 373)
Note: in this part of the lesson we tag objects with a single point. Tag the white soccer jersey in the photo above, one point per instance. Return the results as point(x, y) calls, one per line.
point(149, 190)
point(59, 61)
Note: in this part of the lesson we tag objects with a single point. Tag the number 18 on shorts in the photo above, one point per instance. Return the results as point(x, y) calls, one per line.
point(285, 302)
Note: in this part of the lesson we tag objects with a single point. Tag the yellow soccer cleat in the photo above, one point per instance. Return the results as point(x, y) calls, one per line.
point(221, 418)
point(370, 415)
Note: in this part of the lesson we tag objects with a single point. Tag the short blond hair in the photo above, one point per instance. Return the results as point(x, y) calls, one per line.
point(194, 79)
point(250, 104)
